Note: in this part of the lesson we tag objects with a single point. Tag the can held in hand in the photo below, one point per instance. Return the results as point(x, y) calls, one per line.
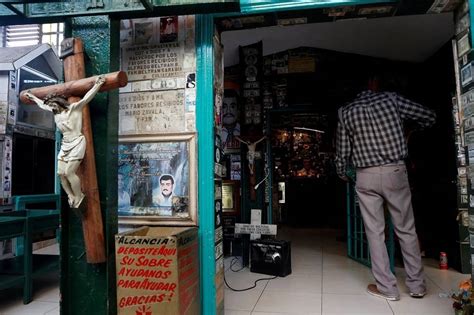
point(443, 260)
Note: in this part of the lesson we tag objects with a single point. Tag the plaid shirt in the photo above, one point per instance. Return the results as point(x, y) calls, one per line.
point(371, 131)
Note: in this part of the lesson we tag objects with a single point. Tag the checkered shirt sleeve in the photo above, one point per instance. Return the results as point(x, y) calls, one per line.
point(343, 148)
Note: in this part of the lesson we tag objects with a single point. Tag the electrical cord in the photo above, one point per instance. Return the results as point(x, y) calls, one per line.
point(234, 260)
point(246, 289)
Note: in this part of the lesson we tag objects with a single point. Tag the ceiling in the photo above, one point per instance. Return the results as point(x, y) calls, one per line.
point(407, 38)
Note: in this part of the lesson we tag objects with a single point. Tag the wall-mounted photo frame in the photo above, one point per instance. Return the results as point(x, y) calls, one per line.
point(466, 74)
point(157, 180)
point(230, 197)
point(463, 24)
point(464, 45)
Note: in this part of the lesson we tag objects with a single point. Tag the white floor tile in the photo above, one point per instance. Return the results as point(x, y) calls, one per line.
point(246, 279)
point(430, 304)
point(53, 312)
point(241, 301)
point(293, 313)
point(49, 250)
point(354, 304)
point(288, 303)
point(338, 259)
point(354, 280)
point(296, 284)
point(299, 268)
point(234, 312)
point(431, 287)
point(307, 259)
point(33, 308)
point(447, 280)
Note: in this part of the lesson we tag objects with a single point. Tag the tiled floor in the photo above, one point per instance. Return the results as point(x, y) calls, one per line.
point(323, 281)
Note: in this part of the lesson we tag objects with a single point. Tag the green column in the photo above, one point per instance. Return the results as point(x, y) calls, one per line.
point(87, 288)
point(204, 124)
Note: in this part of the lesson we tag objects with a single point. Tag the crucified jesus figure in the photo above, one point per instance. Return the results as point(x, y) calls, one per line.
point(251, 153)
point(68, 118)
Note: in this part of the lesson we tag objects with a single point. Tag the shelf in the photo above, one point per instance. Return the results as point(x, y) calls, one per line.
point(8, 281)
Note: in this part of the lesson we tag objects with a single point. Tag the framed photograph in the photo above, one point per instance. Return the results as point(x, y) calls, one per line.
point(375, 10)
point(469, 124)
point(168, 29)
point(463, 24)
point(466, 74)
point(143, 32)
point(464, 46)
point(157, 180)
point(231, 197)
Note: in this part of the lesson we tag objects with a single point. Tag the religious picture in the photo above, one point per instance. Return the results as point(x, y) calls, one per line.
point(156, 180)
point(235, 166)
point(218, 81)
point(143, 32)
point(466, 74)
point(168, 29)
point(230, 121)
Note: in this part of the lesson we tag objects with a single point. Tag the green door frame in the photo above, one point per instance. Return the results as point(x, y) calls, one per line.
point(205, 139)
point(259, 6)
point(205, 121)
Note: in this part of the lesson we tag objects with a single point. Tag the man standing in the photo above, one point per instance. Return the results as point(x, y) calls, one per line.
point(370, 136)
point(165, 196)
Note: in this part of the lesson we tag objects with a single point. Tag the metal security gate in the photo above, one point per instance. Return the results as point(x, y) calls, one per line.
point(357, 245)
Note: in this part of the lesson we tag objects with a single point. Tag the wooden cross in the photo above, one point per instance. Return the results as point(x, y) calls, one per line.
point(252, 146)
point(75, 87)
point(251, 153)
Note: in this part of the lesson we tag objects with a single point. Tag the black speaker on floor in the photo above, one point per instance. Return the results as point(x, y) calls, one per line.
point(270, 257)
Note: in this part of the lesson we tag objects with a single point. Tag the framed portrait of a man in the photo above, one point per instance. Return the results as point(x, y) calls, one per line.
point(230, 121)
point(157, 180)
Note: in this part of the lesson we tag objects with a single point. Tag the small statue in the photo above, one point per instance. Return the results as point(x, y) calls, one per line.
point(252, 146)
point(68, 118)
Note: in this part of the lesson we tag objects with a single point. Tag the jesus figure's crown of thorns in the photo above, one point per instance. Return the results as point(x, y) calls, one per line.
point(56, 98)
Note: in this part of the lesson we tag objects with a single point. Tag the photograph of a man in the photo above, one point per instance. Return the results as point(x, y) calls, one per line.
point(164, 197)
point(168, 29)
point(230, 120)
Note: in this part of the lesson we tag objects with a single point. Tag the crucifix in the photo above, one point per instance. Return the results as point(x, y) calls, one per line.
point(251, 155)
point(251, 151)
point(68, 119)
point(64, 100)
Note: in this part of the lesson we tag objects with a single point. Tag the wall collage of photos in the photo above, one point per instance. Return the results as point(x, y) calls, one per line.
point(157, 122)
point(463, 112)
